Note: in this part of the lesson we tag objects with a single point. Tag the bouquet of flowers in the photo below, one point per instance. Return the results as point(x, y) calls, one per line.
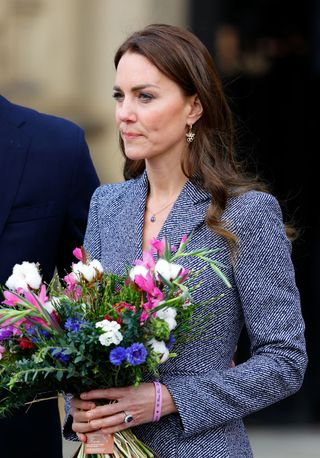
point(95, 329)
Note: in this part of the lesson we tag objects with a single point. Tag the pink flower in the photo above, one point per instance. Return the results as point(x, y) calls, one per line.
point(77, 253)
point(36, 319)
point(159, 246)
point(72, 290)
point(147, 261)
point(70, 281)
point(183, 275)
point(144, 316)
point(145, 313)
point(34, 299)
point(145, 283)
point(11, 299)
point(154, 298)
point(11, 322)
point(2, 350)
point(183, 240)
point(157, 295)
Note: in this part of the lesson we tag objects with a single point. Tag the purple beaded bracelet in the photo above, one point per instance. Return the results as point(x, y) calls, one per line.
point(158, 401)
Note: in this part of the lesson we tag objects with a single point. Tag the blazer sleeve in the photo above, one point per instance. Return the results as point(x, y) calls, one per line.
point(265, 282)
point(83, 183)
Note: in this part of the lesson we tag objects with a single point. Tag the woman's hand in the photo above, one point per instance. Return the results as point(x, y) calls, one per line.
point(137, 402)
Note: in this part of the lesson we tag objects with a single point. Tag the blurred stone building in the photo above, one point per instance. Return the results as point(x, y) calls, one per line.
point(57, 57)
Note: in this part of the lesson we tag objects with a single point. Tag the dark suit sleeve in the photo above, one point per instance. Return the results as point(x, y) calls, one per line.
point(84, 182)
point(270, 301)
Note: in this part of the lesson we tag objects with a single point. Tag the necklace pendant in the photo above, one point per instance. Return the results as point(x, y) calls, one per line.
point(153, 218)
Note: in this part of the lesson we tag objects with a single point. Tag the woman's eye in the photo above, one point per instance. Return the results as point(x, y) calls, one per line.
point(117, 95)
point(145, 97)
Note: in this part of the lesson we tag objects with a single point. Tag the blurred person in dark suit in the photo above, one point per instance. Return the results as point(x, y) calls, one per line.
point(47, 179)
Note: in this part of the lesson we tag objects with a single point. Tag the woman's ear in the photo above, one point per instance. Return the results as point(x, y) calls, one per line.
point(196, 110)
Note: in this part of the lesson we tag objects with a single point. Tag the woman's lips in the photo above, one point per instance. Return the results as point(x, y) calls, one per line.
point(130, 135)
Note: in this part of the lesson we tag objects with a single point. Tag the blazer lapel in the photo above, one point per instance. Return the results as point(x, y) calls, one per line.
point(13, 153)
point(130, 219)
point(187, 213)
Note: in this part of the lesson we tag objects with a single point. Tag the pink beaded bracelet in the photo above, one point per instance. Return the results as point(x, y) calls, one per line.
point(158, 401)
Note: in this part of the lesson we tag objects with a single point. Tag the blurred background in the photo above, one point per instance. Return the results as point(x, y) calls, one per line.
point(57, 57)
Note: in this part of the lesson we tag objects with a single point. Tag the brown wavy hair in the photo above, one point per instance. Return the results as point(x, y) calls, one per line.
point(183, 58)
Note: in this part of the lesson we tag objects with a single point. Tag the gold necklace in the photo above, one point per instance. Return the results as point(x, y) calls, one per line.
point(153, 214)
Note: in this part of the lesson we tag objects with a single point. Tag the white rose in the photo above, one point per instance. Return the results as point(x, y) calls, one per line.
point(25, 276)
point(159, 347)
point(167, 270)
point(168, 314)
point(138, 270)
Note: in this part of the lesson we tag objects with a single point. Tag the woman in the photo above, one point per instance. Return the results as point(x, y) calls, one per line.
point(176, 133)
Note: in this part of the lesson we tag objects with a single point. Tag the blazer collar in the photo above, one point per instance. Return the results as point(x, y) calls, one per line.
point(188, 212)
point(14, 146)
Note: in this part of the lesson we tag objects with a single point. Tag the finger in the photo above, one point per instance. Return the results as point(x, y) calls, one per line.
point(110, 393)
point(82, 427)
point(111, 423)
point(80, 416)
point(111, 429)
point(105, 410)
point(80, 404)
point(82, 437)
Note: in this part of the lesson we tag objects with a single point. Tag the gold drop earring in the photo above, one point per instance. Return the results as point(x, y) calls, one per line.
point(190, 135)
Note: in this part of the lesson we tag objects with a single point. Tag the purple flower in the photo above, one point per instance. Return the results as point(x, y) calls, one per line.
point(117, 356)
point(6, 333)
point(73, 324)
point(136, 354)
point(60, 355)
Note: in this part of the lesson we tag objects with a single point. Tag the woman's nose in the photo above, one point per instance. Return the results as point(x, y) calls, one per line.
point(126, 111)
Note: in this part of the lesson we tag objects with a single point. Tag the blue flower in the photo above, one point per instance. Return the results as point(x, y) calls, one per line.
point(35, 333)
point(171, 341)
point(60, 355)
point(117, 356)
point(136, 354)
point(73, 324)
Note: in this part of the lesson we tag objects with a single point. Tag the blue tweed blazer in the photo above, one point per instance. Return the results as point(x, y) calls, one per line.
point(211, 397)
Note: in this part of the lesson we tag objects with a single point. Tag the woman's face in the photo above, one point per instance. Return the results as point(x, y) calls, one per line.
point(151, 110)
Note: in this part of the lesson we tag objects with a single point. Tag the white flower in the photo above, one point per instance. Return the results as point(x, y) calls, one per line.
point(168, 314)
point(84, 307)
point(111, 334)
point(97, 265)
point(88, 271)
point(51, 306)
point(138, 270)
point(25, 276)
point(167, 270)
point(161, 348)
